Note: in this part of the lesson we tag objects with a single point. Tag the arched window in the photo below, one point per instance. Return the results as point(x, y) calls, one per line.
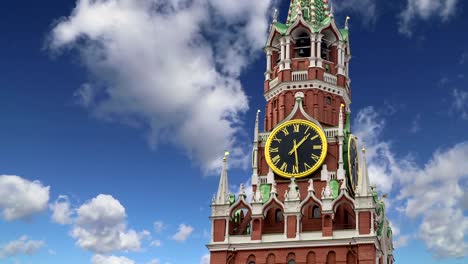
point(251, 259)
point(278, 216)
point(325, 50)
point(302, 46)
point(271, 259)
point(316, 212)
point(331, 257)
point(328, 100)
point(292, 261)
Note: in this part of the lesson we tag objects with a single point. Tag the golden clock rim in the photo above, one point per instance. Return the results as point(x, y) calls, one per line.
point(323, 156)
point(353, 184)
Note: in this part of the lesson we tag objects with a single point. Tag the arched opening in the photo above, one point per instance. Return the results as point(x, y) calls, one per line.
point(302, 45)
point(239, 223)
point(312, 220)
point(311, 258)
point(291, 259)
point(274, 220)
point(345, 217)
point(331, 257)
point(328, 46)
point(251, 259)
point(271, 259)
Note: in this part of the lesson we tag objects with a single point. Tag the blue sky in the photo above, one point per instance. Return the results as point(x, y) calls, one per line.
point(129, 105)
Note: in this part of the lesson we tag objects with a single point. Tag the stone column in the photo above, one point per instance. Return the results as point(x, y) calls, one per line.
point(319, 51)
point(288, 53)
point(269, 54)
point(282, 40)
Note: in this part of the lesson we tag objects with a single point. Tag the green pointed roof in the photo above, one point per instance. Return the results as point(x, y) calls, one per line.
point(316, 13)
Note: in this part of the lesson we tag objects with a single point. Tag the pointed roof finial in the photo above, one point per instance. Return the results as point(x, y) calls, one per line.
point(275, 16)
point(299, 8)
point(222, 196)
point(242, 191)
point(347, 22)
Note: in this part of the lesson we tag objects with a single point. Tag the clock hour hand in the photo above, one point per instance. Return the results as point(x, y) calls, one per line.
point(295, 154)
point(298, 145)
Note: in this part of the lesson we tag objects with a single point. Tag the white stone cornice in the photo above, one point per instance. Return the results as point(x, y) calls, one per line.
point(307, 85)
point(278, 241)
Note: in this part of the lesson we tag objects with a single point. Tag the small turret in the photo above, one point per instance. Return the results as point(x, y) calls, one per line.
point(222, 196)
point(363, 183)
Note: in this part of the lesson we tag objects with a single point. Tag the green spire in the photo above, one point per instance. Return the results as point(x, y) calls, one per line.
point(313, 11)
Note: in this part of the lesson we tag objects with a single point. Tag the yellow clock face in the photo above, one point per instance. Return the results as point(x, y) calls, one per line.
point(296, 148)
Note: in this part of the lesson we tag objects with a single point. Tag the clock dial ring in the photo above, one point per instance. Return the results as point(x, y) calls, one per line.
point(296, 148)
point(352, 162)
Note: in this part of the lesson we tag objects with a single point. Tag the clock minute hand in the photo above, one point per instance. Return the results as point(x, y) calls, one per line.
point(299, 144)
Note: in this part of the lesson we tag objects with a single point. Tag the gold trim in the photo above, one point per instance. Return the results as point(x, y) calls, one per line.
point(323, 154)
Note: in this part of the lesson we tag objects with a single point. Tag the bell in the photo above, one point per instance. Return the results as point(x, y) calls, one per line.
point(301, 52)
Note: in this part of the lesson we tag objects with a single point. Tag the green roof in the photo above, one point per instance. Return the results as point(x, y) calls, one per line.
point(344, 34)
point(315, 14)
point(265, 189)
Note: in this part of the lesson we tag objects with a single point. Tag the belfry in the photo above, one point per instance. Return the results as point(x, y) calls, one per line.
point(312, 200)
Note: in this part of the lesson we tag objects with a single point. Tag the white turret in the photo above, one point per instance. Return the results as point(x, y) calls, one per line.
point(363, 183)
point(222, 197)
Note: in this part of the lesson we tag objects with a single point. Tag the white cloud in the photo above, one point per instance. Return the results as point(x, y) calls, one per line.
point(101, 259)
point(22, 246)
point(154, 261)
point(432, 194)
point(425, 10)
point(21, 198)
point(183, 233)
point(100, 227)
point(205, 259)
point(460, 103)
point(170, 67)
point(61, 211)
point(401, 241)
point(156, 243)
point(158, 226)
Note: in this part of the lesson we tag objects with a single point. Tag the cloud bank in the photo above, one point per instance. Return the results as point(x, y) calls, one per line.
point(21, 198)
point(169, 67)
point(432, 194)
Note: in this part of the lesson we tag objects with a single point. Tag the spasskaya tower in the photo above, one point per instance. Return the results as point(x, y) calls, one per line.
point(312, 200)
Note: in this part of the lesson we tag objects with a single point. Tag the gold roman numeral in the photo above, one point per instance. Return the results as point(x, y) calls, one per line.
point(315, 157)
point(308, 127)
point(274, 150)
point(276, 159)
point(295, 169)
point(285, 131)
point(277, 139)
point(296, 128)
point(317, 147)
point(314, 137)
point(307, 166)
point(284, 167)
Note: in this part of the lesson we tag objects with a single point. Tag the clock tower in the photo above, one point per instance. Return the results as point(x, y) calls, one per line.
point(312, 201)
